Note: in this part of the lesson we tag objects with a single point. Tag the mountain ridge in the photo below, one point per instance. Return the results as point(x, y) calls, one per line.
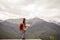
point(38, 26)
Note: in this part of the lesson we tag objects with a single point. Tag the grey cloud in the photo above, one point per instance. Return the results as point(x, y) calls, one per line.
point(50, 6)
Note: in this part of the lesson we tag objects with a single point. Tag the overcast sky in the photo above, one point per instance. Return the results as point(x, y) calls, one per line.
point(29, 8)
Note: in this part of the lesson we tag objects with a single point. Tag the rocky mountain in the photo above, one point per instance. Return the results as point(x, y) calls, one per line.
point(39, 29)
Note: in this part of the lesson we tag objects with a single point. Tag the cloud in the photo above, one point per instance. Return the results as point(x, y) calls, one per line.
point(6, 15)
point(29, 8)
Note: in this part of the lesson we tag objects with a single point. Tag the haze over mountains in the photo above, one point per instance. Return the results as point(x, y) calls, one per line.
point(55, 20)
point(38, 29)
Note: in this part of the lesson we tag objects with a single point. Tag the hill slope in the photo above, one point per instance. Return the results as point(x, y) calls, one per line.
point(39, 29)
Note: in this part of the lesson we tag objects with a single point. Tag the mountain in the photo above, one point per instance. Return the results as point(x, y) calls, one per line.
point(0, 20)
point(14, 21)
point(54, 19)
point(43, 28)
point(58, 23)
point(38, 29)
point(9, 30)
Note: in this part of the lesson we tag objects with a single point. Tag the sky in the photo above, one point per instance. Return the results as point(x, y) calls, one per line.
point(45, 9)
